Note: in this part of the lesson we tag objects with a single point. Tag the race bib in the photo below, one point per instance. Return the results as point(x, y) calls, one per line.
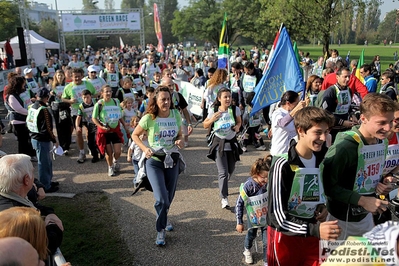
point(392, 158)
point(166, 131)
point(306, 193)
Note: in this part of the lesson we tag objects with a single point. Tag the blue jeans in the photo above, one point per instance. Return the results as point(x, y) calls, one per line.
point(163, 181)
point(45, 163)
point(10, 61)
point(250, 237)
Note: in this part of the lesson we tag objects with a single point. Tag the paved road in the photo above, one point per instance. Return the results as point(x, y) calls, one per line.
point(204, 232)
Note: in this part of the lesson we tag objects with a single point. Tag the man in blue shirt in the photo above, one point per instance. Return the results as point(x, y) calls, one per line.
point(369, 80)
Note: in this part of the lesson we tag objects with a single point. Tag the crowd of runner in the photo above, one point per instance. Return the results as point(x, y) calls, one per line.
point(334, 150)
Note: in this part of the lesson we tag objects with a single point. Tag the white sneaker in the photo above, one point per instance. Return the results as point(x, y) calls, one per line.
point(111, 171)
point(225, 203)
point(248, 256)
point(244, 149)
point(261, 148)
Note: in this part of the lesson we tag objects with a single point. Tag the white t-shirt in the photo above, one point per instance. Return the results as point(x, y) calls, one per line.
point(281, 135)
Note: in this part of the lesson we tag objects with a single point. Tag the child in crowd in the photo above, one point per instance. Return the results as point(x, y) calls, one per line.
point(134, 153)
point(254, 124)
point(156, 81)
point(83, 119)
point(253, 196)
point(150, 92)
point(296, 205)
point(127, 113)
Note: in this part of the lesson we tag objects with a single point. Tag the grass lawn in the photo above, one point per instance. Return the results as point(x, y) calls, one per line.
point(92, 235)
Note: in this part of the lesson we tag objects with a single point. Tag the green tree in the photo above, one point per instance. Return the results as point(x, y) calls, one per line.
point(109, 5)
point(48, 29)
point(373, 15)
point(253, 27)
point(360, 23)
point(206, 26)
point(89, 5)
point(305, 19)
point(387, 28)
point(9, 19)
point(132, 4)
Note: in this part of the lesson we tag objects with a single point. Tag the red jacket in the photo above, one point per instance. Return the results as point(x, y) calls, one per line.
point(8, 48)
point(354, 84)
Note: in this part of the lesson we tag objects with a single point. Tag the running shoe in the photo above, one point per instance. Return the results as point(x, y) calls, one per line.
point(225, 203)
point(244, 149)
point(248, 256)
point(111, 171)
point(116, 167)
point(169, 226)
point(66, 152)
point(160, 241)
point(261, 148)
point(82, 158)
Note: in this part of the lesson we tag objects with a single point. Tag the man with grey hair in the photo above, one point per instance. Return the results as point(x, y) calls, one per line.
point(18, 252)
point(16, 180)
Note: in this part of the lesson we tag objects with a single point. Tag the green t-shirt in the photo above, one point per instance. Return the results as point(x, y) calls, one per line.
point(73, 91)
point(162, 132)
point(110, 113)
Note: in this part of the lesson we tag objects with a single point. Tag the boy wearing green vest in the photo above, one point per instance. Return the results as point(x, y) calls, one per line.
point(353, 168)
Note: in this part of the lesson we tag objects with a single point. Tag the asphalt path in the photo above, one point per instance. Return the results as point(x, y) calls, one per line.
point(204, 233)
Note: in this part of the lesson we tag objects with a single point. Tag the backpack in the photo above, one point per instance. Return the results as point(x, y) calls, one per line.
point(319, 100)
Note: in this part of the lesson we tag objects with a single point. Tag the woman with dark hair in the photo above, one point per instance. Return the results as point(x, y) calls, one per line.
point(163, 161)
point(283, 127)
point(199, 79)
point(313, 86)
point(15, 104)
point(224, 120)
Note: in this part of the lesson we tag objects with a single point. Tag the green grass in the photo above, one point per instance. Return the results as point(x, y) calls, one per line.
point(92, 235)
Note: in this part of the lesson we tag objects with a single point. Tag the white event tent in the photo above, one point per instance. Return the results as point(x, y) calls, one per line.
point(39, 46)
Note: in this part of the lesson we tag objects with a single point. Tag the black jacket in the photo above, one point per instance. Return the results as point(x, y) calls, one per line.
point(281, 177)
point(44, 123)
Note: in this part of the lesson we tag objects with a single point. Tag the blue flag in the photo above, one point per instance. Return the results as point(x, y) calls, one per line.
point(282, 75)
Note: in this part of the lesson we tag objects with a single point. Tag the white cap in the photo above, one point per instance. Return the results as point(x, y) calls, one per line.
point(255, 54)
point(145, 60)
point(92, 68)
point(27, 70)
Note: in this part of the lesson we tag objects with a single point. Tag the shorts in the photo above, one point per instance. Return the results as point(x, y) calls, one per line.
point(112, 138)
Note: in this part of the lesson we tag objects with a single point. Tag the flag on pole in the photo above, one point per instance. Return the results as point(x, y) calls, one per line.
point(272, 50)
point(224, 48)
point(298, 58)
point(359, 64)
point(158, 32)
point(283, 74)
point(122, 45)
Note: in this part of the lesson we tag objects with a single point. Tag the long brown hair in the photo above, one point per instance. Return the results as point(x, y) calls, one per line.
point(218, 77)
point(153, 108)
point(26, 223)
point(57, 82)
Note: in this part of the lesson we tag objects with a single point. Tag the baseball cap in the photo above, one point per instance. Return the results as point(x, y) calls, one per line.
point(92, 68)
point(27, 70)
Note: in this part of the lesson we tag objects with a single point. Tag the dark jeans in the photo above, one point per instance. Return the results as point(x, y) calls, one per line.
point(23, 138)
